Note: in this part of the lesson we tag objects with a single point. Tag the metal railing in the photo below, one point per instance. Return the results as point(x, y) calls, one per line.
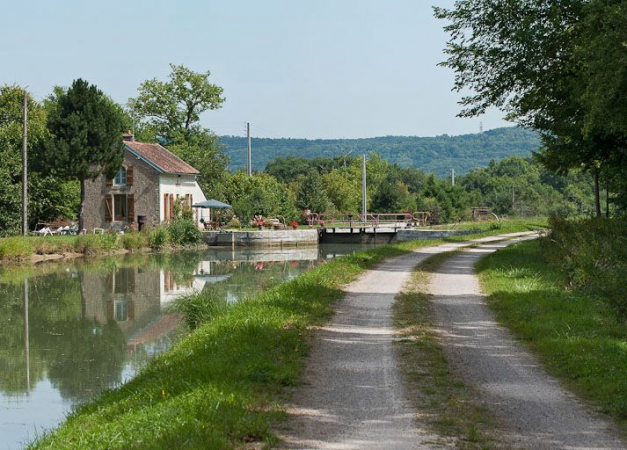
point(370, 220)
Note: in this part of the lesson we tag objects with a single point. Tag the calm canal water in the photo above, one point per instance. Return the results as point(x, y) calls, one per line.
point(70, 330)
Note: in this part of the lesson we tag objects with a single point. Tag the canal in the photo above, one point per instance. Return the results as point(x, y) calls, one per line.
point(72, 329)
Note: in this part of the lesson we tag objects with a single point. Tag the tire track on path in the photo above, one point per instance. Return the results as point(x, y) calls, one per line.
point(353, 395)
point(535, 410)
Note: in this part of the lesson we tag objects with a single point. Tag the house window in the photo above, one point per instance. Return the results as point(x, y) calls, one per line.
point(120, 310)
point(120, 177)
point(120, 281)
point(119, 206)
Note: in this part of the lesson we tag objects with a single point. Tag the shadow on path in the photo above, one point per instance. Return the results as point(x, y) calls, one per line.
point(536, 411)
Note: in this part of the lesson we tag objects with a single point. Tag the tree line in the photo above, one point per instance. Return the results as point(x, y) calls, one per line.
point(75, 135)
point(514, 186)
point(437, 154)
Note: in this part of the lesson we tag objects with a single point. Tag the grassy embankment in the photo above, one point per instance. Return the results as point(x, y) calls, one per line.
point(20, 248)
point(564, 296)
point(221, 386)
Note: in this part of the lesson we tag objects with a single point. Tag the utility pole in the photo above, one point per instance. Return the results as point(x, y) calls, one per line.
point(249, 167)
point(24, 167)
point(452, 177)
point(363, 189)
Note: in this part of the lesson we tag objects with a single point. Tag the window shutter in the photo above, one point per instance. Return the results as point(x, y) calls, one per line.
point(108, 209)
point(110, 282)
point(131, 280)
point(110, 310)
point(171, 216)
point(129, 176)
point(130, 207)
point(109, 182)
point(165, 207)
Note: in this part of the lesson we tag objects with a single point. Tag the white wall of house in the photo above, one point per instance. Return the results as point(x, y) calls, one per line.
point(180, 186)
point(169, 290)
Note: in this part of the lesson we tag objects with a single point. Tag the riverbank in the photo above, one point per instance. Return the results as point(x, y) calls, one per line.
point(34, 249)
point(20, 249)
point(222, 386)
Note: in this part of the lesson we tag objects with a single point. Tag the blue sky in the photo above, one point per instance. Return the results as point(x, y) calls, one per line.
point(292, 68)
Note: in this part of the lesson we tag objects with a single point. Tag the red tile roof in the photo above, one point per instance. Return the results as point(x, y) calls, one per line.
point(160, 157)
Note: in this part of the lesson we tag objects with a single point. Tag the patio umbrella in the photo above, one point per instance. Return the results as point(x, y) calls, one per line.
point(211, 204)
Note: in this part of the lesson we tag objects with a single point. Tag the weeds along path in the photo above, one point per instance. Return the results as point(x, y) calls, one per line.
point(352, 395)
point(532, 409)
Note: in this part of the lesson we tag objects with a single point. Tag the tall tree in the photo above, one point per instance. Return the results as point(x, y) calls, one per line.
point(86, 128)
point(259, 194)
point(312, 193)
point(603, 50)
point(523, 56)
point(172, 109)
point(169, 112)
point(49, 197)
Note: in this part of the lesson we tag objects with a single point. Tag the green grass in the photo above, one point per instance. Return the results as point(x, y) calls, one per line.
point(444, 403)
point(579, 337)
point(15, 247)
point(175, 235)
point(221, 387)
point(592, 254)
point(530, 224)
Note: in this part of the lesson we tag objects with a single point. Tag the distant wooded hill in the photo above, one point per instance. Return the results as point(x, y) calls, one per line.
point(437, 154)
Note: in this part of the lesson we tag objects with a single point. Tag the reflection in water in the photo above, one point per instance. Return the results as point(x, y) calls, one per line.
point(69, 331)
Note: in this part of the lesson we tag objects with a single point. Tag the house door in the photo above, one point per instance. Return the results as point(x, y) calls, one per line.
point(124, 207)
point(119, 206)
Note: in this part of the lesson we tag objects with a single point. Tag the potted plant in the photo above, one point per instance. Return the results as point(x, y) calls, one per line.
point(294, 224)
point(258, 221)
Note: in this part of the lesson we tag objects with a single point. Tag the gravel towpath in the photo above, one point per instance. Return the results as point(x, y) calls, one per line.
point(353, 395)
point(534, 410)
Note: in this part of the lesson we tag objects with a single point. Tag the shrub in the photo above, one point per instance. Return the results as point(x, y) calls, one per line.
point(109, 241)
point(91, 244)
point(158, 237)
point(133, 240)
point(592, 253)
point(175, 232)
point(234, 223)
point(184, 232)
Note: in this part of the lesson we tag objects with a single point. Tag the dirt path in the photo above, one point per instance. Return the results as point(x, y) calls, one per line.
point(536, 411)
point(353, 396)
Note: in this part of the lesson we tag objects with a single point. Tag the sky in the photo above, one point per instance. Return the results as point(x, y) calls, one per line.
point(292, 68)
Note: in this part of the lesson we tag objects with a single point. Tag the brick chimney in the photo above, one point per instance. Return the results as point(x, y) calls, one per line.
point(128, 136)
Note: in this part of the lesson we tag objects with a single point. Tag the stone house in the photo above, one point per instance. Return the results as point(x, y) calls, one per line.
point(144, 190)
